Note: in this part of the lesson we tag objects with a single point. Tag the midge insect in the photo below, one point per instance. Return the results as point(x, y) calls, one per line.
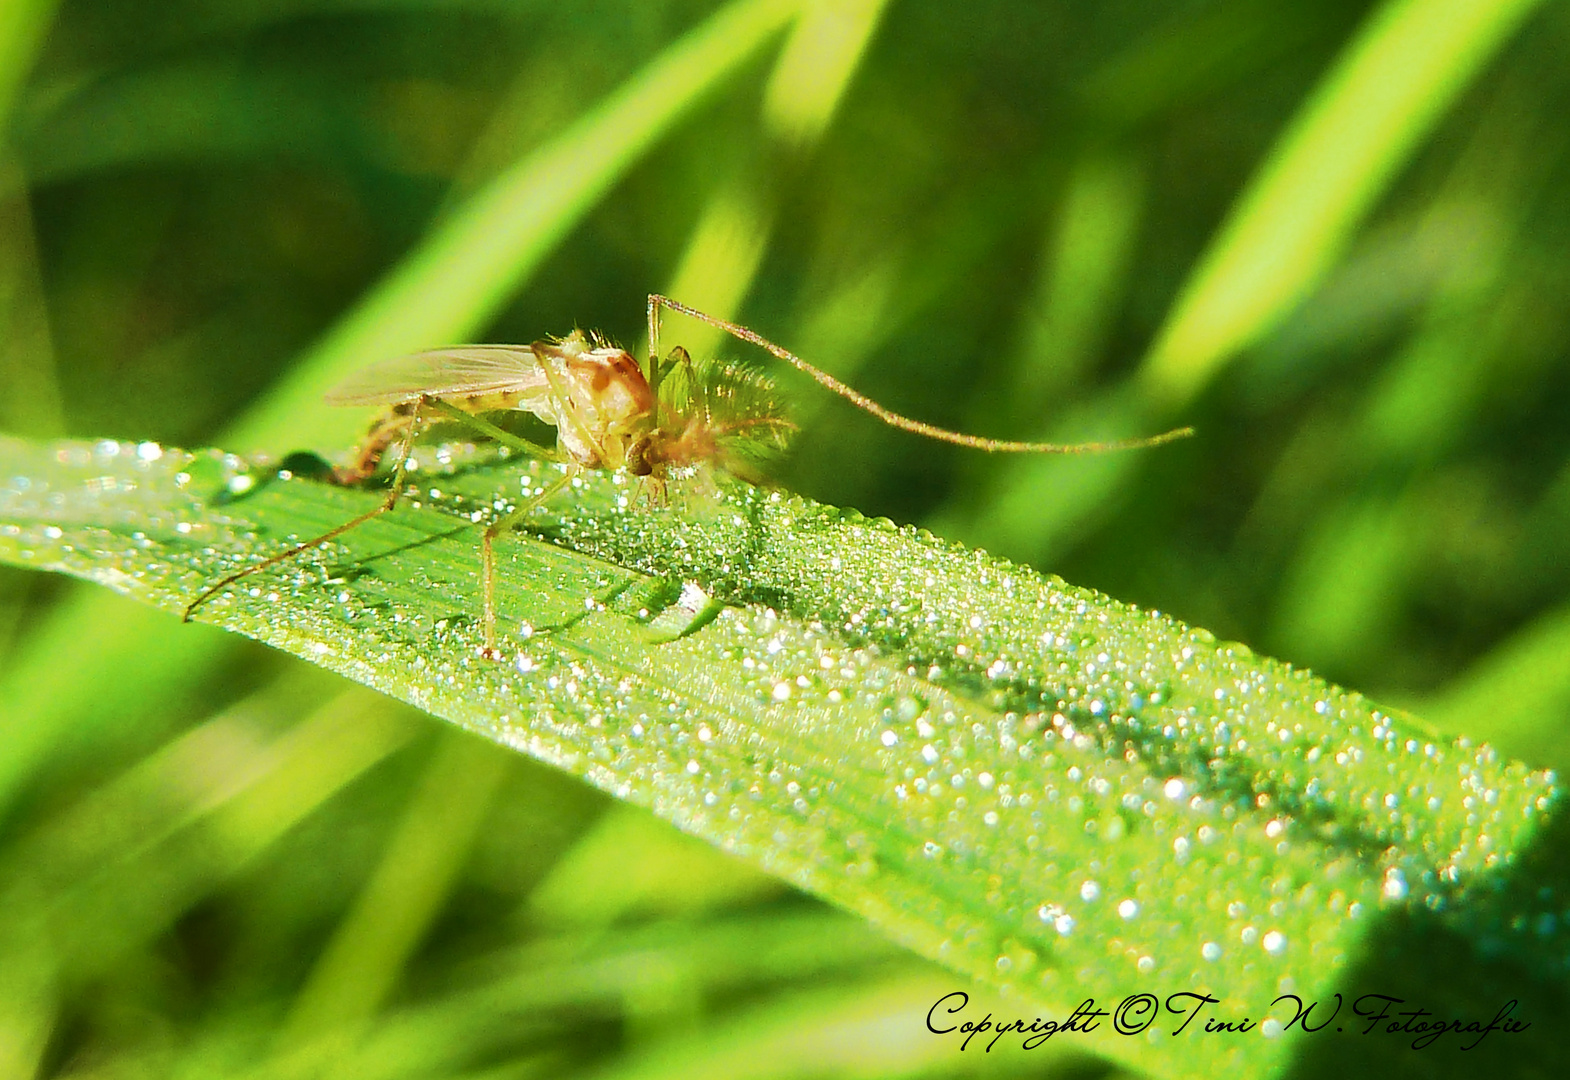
point(608, 412)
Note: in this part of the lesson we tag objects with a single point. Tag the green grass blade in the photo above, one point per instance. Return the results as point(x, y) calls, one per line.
point(23, 24)
point(1031, 783)
point(806, 88)
point(1349, 140)
point(1363, 122)
point(637, 969)
point(367, 952)
point(79, 886)
point(1505, 695)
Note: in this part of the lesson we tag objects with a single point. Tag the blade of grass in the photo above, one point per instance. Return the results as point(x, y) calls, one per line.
point(1506, 695)
point(32, 403)
point(26, 361)
point(1366, 118)
point(805, 89)
point(163, 792)
point(1085, 266)
point(636, 969)
point(93, 915)
point(628, 864)
point(23, 24)
point(360, 965)
point(840, 1030)
point(1031, 783)
point(107, 914)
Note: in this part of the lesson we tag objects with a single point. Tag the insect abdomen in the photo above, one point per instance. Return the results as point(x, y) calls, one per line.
point(494, 401)
point(388, 427)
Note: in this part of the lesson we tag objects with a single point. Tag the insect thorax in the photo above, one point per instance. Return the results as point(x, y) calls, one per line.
point(599, 401)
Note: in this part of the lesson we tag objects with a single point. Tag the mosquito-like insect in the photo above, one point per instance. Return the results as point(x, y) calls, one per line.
point(608, 412)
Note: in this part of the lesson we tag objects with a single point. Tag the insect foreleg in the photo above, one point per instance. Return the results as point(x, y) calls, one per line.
point(662, 367)
point(393, 494)
point(488, 556)
point(566, 409)
point(655, 299)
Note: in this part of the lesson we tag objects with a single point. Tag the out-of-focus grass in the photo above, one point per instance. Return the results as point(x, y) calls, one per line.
point(727, 244)
point(1352, 135)
point(22, 25)
point(1378, 487)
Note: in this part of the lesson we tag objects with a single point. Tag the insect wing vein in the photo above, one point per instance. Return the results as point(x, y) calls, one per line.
point(464, 370)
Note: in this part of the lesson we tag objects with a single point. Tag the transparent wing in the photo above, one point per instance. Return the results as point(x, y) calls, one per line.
point(462, 369)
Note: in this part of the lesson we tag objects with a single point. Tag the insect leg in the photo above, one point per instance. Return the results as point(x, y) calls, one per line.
point(566, 409)
point(905, 423)
point(491, 431)
point(654, 326)
point(488, 556)
point(388, 503)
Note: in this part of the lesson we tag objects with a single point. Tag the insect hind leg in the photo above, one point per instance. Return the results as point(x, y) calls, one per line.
point(393, 494)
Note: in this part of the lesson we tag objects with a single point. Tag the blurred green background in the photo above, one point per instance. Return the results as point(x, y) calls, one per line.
point(1335, 237)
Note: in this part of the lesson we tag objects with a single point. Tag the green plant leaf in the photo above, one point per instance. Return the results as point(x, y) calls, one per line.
point(1043, 788)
